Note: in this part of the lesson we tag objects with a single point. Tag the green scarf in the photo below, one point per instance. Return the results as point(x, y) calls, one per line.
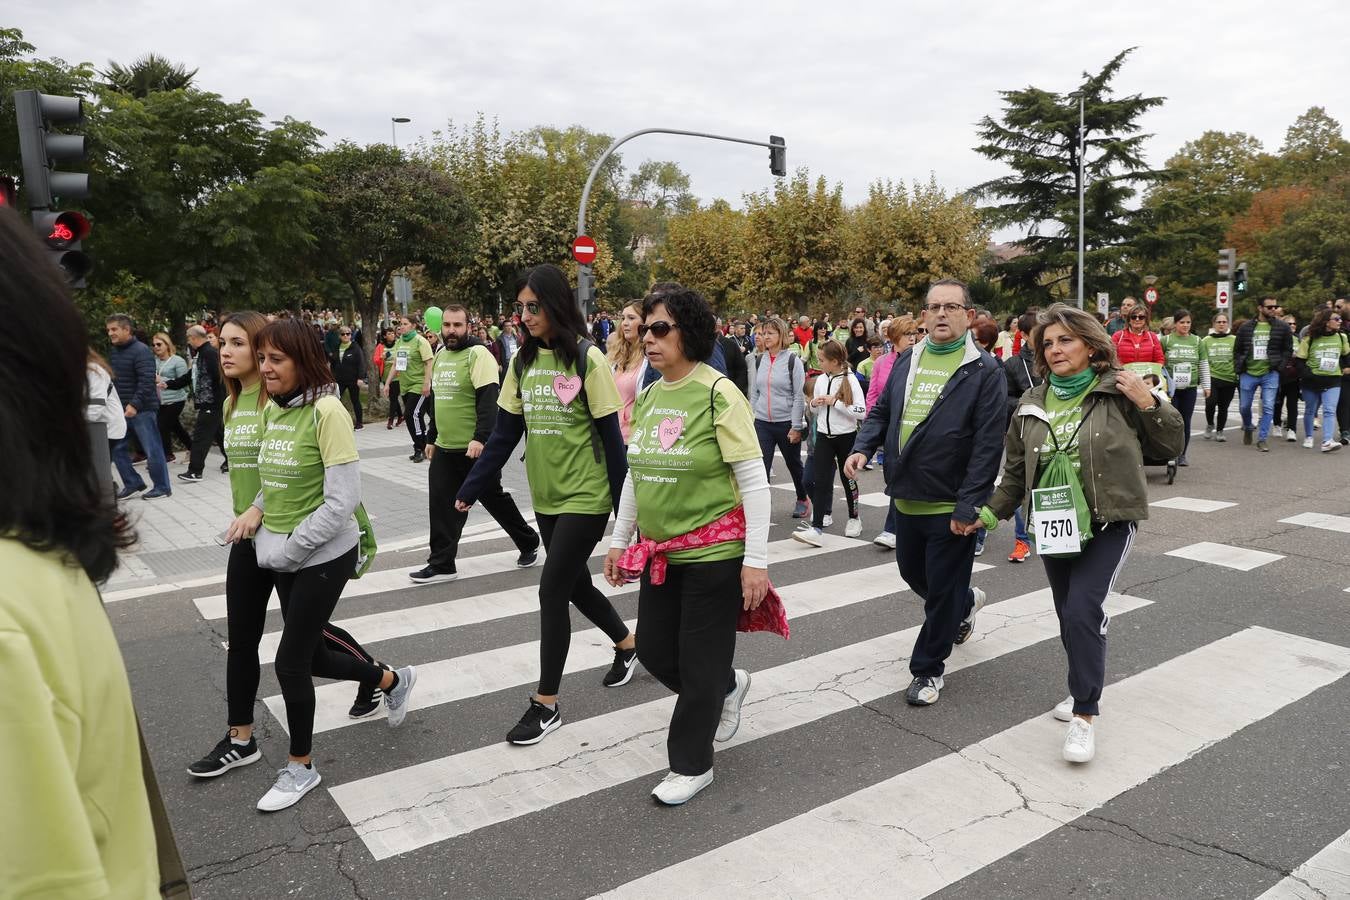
point(944, 349)
point(409, 336)
point(1067, 386)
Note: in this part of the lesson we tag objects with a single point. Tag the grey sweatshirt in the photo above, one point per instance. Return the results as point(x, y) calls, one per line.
point(776, 388)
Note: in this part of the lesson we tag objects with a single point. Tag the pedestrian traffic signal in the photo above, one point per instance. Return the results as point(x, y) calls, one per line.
point(9, 194)
point(41, 148)
point(777, 155)
point(1240, 279)
point(1227, 263)
point(62, 232)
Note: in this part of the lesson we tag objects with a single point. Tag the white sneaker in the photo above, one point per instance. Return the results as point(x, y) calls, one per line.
point(396, 698)
point(731, 708)
point(1307, 443)
point(293, 782)
point(676, 789)
point(1330, 446)
point(885, 539)
point(967, 627)
point(1290, 435)
point(809, 535)
point(828, 521)
point(1209, 434)
point(1064, 709)
point(853, 528)
point(1079, 744)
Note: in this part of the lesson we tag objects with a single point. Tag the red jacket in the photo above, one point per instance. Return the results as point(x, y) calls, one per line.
point(803, 335)
point(1131, 347)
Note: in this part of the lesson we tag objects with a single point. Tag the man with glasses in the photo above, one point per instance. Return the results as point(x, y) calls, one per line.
point(349, 371)
point(941, 420)
point(1262, 346)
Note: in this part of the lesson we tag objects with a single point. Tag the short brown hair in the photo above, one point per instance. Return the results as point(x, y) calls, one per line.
point(1101, 352)
point(298, 341)
point(901, 326)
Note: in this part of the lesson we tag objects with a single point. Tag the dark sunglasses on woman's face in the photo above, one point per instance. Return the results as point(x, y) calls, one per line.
point(531, 307)
point(1133, 317)
point(659, 329)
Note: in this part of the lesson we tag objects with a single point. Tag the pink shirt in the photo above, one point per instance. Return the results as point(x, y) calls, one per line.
point(881, 373)
point(628, 388)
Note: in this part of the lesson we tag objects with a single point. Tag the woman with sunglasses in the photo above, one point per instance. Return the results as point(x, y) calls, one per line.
point(168, 366)
point(349, 369)
point(575, 461)
point(1323, 357)
point(1135, 342)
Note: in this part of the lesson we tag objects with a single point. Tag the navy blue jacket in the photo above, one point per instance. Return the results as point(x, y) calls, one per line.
point(953, 456)
point(133, 366)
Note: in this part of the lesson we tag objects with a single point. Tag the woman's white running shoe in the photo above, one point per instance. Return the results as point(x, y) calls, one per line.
point(1064, 710)
point(676, 789)
point(853, 528)
point(1079, 744)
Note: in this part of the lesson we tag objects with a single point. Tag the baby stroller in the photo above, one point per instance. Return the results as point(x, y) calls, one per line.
point(1156, 375)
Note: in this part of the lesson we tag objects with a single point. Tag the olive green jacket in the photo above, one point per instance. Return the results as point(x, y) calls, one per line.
point(1113, 443)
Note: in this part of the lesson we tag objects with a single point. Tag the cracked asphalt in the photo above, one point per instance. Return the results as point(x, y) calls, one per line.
point(1229, 821)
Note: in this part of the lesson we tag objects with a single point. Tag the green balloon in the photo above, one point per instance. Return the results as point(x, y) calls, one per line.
point(433, 317)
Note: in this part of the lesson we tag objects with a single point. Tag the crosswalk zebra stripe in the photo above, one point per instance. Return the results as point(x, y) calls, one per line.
point(411, 807)
point(1326, 874)
point(474, 674)
point(407, 621)
point(925, 829)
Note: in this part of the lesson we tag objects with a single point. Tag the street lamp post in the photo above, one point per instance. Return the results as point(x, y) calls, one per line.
point(1081, 184)
point(394, 122)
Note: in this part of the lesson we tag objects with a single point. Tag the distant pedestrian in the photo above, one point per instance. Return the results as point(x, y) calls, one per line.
point(1262, 346)
point(628, 362)
point(778, 404)
point(349, 370)
point(1223, 377)
point(1323, 360)
point(168, 366)
point(412, 353)
point(133, 368)
point(207, 396)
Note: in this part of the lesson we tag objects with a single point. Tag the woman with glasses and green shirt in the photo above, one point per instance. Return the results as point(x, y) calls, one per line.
point(1218, 346)
point(1323, 359)
point(1188, 360)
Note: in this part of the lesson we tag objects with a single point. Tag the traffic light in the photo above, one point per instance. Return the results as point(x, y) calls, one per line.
point(9, 195)
point(1240, 279)
point(61, 230)
point(1227, 263)
point(777, 155)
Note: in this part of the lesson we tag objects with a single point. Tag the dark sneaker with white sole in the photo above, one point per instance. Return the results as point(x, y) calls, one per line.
point(430, 575)
point(625, 663)
point(527, 558)
point(537, 722)
point(924, 690)
point(225, 756)
point(367, 701)
point(967, 626)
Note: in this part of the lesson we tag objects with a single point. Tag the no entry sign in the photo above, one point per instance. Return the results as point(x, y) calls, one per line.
point(1151, 296)
point(583, 250)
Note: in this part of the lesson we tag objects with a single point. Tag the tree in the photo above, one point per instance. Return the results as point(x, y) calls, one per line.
point(793, 254)
point(1037, 137)
point(901, 240)
point(146, 75)
point(1305, 260)
point(1314, 150)
point(704, 249)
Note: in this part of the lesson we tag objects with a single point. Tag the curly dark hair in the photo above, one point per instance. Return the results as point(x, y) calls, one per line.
point(693, 315)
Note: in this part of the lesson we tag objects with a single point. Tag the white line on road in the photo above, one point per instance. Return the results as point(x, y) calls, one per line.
point(1327, 874)
point(1192, 504)
point(1320, 520)
point(1239, 558)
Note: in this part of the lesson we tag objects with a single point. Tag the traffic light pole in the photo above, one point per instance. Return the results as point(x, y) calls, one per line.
point(584, 270)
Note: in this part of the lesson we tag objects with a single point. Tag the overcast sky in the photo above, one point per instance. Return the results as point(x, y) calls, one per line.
point(861, 90)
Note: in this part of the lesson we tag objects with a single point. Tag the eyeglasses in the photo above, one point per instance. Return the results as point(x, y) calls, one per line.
point(659, 329)
point(1134, 316)
point(1270, 308)
point(531, 307)
point(950, 309)
point(345, 333)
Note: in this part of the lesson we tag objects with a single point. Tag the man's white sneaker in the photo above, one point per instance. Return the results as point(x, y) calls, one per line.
point(1307, 443)
point(676, 789)
point(1064, 709)
point(1290, 435)
point(1079, 744)
point(828, 521)
point(809, 535)
point(967, 627)
point(293, 782)
point(731, 708)
point(885, 539)
point(853, 528)
point(1330, 446)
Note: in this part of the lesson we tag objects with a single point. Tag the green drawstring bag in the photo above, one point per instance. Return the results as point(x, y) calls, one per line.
point(1059, 511)
point(366, 547)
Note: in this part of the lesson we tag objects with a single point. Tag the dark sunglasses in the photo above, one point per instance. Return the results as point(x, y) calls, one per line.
point(1138, 316)
point(344, 334)
point(660, 329)
point(1270, 308)
point(531, 307)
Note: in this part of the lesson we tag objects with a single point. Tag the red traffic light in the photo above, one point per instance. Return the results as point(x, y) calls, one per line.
point(61, 229)
point(9, 195)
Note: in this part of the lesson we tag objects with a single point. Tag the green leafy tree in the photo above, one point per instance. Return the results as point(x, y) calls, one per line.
point(793, 253)
point(704, 249)
point(1314, 150)
point(1305, 260)
point(1037, 137)
point(146, 75)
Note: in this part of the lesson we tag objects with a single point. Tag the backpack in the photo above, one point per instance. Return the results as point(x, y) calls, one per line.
point(583, 350)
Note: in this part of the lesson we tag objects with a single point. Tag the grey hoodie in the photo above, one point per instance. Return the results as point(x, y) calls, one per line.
point(776, 388)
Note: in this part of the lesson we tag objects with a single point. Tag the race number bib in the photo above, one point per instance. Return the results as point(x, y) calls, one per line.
point(401, 361)
point(1328, 359)
point(1181, 376)
point(1259, 350)
point(1055, 521)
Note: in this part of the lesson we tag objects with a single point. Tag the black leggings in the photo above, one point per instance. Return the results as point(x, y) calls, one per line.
point(1217, 403)
point(831, 452)
point(1286, 401)
point(308, 598)
point(171, 426)
point(416, 408)
point(395, 402)
point(569, 539)
point(1184, 401)
point(774, 435)
point(354, 391)
point(247, 590)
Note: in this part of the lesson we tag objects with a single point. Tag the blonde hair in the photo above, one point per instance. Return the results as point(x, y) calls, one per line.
point(835, 353)
point(781, 329)
point(168, 341)
point(623, 353)
point(1084, 326)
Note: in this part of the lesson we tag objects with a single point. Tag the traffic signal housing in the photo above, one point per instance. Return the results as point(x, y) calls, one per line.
point(777, 155)
point(1227, 263)
point(9, 194)
point(1240, 279)
point(41, 148)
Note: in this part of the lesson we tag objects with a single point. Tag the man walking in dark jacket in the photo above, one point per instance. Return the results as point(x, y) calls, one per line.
point(737, 370)
point(941, 420)
point(133, 368)
point(349, 370)
point(207, 396)
point(1262, 346)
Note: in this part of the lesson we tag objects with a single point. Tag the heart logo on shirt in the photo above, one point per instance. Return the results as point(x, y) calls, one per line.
point(669, 431)
point(566, 389)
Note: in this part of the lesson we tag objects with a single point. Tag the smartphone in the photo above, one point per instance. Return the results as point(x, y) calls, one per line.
point(221, 538)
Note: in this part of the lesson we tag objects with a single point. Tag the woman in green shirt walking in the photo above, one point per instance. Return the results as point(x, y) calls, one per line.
point(1323, 358)
point(1188, 359)
point(1223, 378)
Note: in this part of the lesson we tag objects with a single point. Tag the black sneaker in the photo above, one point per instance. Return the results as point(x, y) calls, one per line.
point(538, 721)
point(527, 558)
point(625, 661)
point(368, 699)
point(429, 575)
point(225, 756)
point(419, 456)
point(225, 467)
point(189, 476)
point(924, 690)
point(126, 492)
point(412, 457)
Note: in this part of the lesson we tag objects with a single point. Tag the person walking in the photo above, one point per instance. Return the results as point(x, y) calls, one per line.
point(207, 396)
point(169, 365)
point(133, 368)
point(1262, 346)
point(1136, 342)
point(628, 363)
point(1188, 361)
point(508, 342)
point(1223, 377)
point(940, 419)
point(1020, 370)
point(1286, 401)
point(384, 366)
point(560, 389)
point(1105, 420)
point(837, 406)
point(304, 530)
point(1323, 360)
point(349, 370)
point(855, 345)
point(411, 354)
point(736, 368)
point(699, 497)
point(777, 401)
point(901, 332)
point(464, 383)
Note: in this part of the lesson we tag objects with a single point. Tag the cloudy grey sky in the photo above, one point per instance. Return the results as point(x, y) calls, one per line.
point(861, 90)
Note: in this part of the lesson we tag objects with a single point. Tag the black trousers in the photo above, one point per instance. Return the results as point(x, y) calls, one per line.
point(1184, 401)
point(1217, 403)
point(831, 452)
point(171, 426)
point(1079, 585)
point(936, 564)
point(449, 468)
point(395, 402)
point(354, 391)
point(686, 637)
point(1286, 401)
point(308, 598)
point(569, 538)
point(774, 435)
point(247, 590)
point(416, 408)
point(203, 436)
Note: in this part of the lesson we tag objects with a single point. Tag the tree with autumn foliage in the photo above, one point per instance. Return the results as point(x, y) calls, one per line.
point(793, 254)
point(704, 249)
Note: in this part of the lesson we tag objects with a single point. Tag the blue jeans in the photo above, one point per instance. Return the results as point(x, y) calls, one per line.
point(146, 428)
point(1020, 525)
point(1329, 397)
point(1270, 386)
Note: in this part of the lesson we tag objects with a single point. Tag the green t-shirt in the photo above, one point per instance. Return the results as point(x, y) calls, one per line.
point(77, 821)
point(297, 445)
point(684, 438)
point(456, 376)
point(1065, 416)
point(1258, 363)
point(1219, 350)
point(410, 363)
point(931, 374)
point(563, 473)
point(1183, 354)
point(243, 436)
point(865, 367)
point(1324, 354)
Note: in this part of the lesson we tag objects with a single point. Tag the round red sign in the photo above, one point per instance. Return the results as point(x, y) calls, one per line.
point(583, 250)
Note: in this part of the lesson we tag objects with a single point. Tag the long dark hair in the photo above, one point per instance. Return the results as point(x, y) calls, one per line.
point(53, 501)
point(549, 285)
point(1318, 328)
point(252, 324)
point(298, 341)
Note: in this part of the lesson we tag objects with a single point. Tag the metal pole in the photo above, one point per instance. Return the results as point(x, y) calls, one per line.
point(1081, 173)
point(393, 132)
